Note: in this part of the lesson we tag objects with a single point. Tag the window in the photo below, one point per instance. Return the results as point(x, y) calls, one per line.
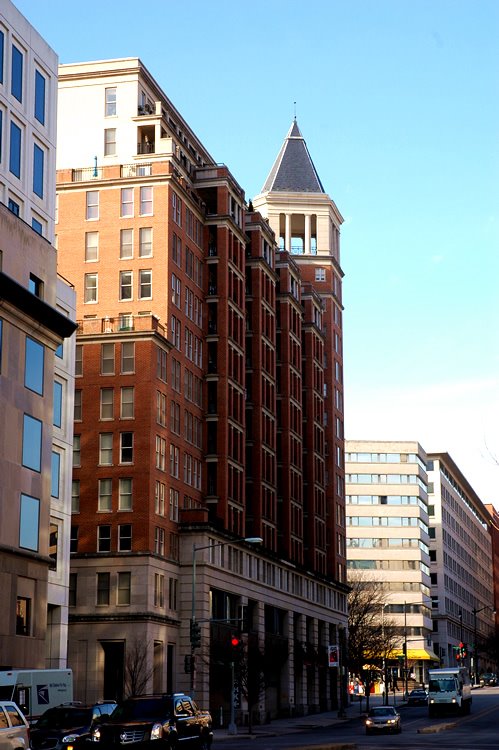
point(128, 358)
point(78, 401)
point(13, 207)
point(161, 408)
point(174, 461)
point(15, 149)
point(126, 202)
point(177, 250)
point(159, 590)
point(320, 274)
point(176, 290)
point(53, 545)
point(124, 587)
point(92, 204)
point(176, 209)
point(40, 97)
point(107, 403)
point(73, 546)
point(175, 417)
point(32, 443)
point(38, 170)
point(35, 285)
point(125, 537)
point(110, 142)
point(160, 453)
point(79, 360)
point(73, 584)
point(173, 504)
point(55, 474)
point(110, 108)
point(104, 538)
point(161, 364)
point(126, 281)
point(91, 282)
point(76, 450)
point(2, 41)
point(172, 593)
point(127, 403)
point(159, 499)
point(106, 448)
point(126, 243)
point(103, 587)
point(145, 238)
point(91, 246)
point(34, 365)
point(107, 359)
point(29, 519)
point(145, 284)
point(16, 80)
point(126, 447)
point(146, 201)
point(159, 541)
point(23, 616)
point(57, 404)
point(125, 494)
point(105, 503)
point(75, 496)
point(35, 224)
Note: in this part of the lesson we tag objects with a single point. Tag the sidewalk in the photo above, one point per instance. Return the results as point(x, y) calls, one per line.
point(353, 710)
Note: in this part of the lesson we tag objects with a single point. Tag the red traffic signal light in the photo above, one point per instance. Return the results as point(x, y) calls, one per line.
point(235, 641)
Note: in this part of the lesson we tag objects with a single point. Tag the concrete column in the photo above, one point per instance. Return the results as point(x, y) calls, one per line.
point(287, 242)
point(301, 671)
point(287, 676)
point(313, 698)
point(306, 239)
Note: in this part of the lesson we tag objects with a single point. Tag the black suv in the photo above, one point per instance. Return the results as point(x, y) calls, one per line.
point(69, 725)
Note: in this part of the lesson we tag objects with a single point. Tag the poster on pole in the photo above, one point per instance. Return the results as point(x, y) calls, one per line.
point(333, 656)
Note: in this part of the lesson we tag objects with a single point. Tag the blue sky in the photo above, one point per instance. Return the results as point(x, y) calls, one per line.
point(398, 101)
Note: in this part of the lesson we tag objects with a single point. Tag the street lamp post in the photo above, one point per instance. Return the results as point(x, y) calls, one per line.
point(232, 728)
point(475, 643)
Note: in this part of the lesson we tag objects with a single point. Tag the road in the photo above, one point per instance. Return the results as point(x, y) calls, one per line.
point(480, 728)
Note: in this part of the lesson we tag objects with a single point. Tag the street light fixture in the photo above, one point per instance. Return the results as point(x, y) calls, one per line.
point(194, 629)
point(475, 644)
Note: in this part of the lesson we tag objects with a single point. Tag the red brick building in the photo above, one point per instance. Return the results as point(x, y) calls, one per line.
point(206, 372)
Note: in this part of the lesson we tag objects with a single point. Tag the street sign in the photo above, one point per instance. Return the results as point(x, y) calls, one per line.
point(333, 656)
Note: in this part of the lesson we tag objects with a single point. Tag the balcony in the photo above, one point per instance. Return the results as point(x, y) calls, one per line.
point(120, 324)
point(145, 147)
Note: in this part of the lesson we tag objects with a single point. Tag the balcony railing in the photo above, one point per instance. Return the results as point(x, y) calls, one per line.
point(145, 147)
point(87, 173)
point(120, 323)
point(136, 170)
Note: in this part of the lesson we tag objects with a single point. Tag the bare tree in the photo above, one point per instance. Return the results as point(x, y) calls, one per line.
point(371, 636)
point(250, 673)
point(137, 671)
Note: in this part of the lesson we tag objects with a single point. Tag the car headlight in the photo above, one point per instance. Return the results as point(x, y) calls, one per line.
point(71, 738)
point(392, 721)
point(368, 721)
point(96, 735)
point(156, 732)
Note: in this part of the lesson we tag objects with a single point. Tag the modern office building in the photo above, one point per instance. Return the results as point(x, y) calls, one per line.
point(206, 363)
point(37, 311)
point(388, 539)
point(461, 554)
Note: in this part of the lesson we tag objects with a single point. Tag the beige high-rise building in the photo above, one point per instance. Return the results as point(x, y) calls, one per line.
point(388, 539)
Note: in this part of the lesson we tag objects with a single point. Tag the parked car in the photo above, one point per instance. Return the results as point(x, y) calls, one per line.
point(69, 725)
point(489, 679)
point(417, 697)
point(14, 728)
point(150, 721)
point(383, 719)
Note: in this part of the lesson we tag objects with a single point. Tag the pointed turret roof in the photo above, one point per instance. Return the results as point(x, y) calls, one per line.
point(293, 170)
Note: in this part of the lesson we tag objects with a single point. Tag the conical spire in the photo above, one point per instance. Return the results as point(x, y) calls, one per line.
point(293, 170)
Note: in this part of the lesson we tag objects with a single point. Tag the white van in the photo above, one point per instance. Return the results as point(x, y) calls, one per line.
point(36, 690)
point(449, 689)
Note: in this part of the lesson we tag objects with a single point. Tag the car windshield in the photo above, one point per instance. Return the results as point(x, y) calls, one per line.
point(445, 685)
point(64, 718)
point(149, 708)
point(381, 712)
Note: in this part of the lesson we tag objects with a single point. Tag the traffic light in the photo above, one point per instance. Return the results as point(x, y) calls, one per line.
point(195, 634)
point(235, 642)
point(464, 650)
point(189, 663)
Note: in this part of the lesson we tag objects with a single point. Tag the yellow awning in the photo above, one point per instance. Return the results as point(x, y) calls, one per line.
point(415, 654)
